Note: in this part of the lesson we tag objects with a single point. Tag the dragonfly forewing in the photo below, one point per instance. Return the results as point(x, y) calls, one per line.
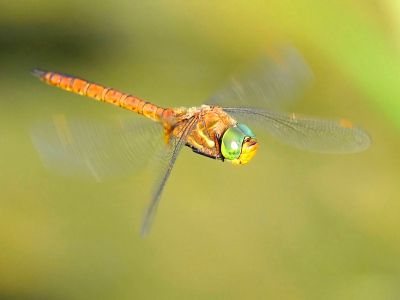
point(317, 135)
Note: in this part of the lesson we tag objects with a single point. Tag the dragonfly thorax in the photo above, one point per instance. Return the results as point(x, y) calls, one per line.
point(211, 132)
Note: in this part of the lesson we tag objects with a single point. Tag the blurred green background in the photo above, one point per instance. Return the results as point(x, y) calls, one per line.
point(289, 225)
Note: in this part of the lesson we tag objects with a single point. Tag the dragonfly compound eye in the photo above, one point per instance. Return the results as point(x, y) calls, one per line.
point(238, 144)
point(246, 130)
point(231, 144)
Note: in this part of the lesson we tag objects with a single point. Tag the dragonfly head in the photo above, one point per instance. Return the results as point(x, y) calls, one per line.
point(238, 144)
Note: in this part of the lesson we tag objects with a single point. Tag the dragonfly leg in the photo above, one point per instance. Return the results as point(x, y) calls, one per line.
point(206, 155)
point(217, 145)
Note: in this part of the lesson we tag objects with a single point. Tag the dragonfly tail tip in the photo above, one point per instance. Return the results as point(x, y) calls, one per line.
point(38, 73)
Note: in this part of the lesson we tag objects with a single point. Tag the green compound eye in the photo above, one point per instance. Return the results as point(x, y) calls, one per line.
point(246, 130)
point(232, 141)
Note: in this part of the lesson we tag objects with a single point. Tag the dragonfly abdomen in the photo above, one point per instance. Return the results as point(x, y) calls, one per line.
point(102, 93)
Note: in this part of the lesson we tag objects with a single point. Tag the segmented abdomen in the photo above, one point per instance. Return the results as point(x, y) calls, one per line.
point(100, 92)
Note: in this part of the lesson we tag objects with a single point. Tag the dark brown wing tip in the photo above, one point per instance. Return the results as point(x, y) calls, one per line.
point(39, 73)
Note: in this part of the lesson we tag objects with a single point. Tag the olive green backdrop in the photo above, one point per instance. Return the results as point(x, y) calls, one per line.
point(289, 225)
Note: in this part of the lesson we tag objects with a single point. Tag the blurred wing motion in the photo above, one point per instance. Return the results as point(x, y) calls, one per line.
point(318, 135)
point(167, 161)
point(96, 149)
point(275, 81)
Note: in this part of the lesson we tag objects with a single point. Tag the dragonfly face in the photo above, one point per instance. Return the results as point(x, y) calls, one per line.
point(238, 144)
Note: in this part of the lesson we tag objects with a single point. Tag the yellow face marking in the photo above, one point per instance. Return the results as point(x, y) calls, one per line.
point(249, 149)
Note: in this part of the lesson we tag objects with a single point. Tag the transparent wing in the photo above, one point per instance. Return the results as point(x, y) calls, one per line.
point(164, 167)
point(275, 81)
point(96, 149)
point(326, 136)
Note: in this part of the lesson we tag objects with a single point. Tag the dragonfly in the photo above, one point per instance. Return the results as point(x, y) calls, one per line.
point(219, 132)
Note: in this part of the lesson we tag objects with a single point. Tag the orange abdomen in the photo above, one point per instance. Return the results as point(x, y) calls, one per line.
point(102, 93)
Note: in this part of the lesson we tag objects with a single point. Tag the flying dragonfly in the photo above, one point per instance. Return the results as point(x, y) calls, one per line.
point(215, 130)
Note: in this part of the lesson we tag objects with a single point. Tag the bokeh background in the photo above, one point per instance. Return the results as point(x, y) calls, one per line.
point(289, 225)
